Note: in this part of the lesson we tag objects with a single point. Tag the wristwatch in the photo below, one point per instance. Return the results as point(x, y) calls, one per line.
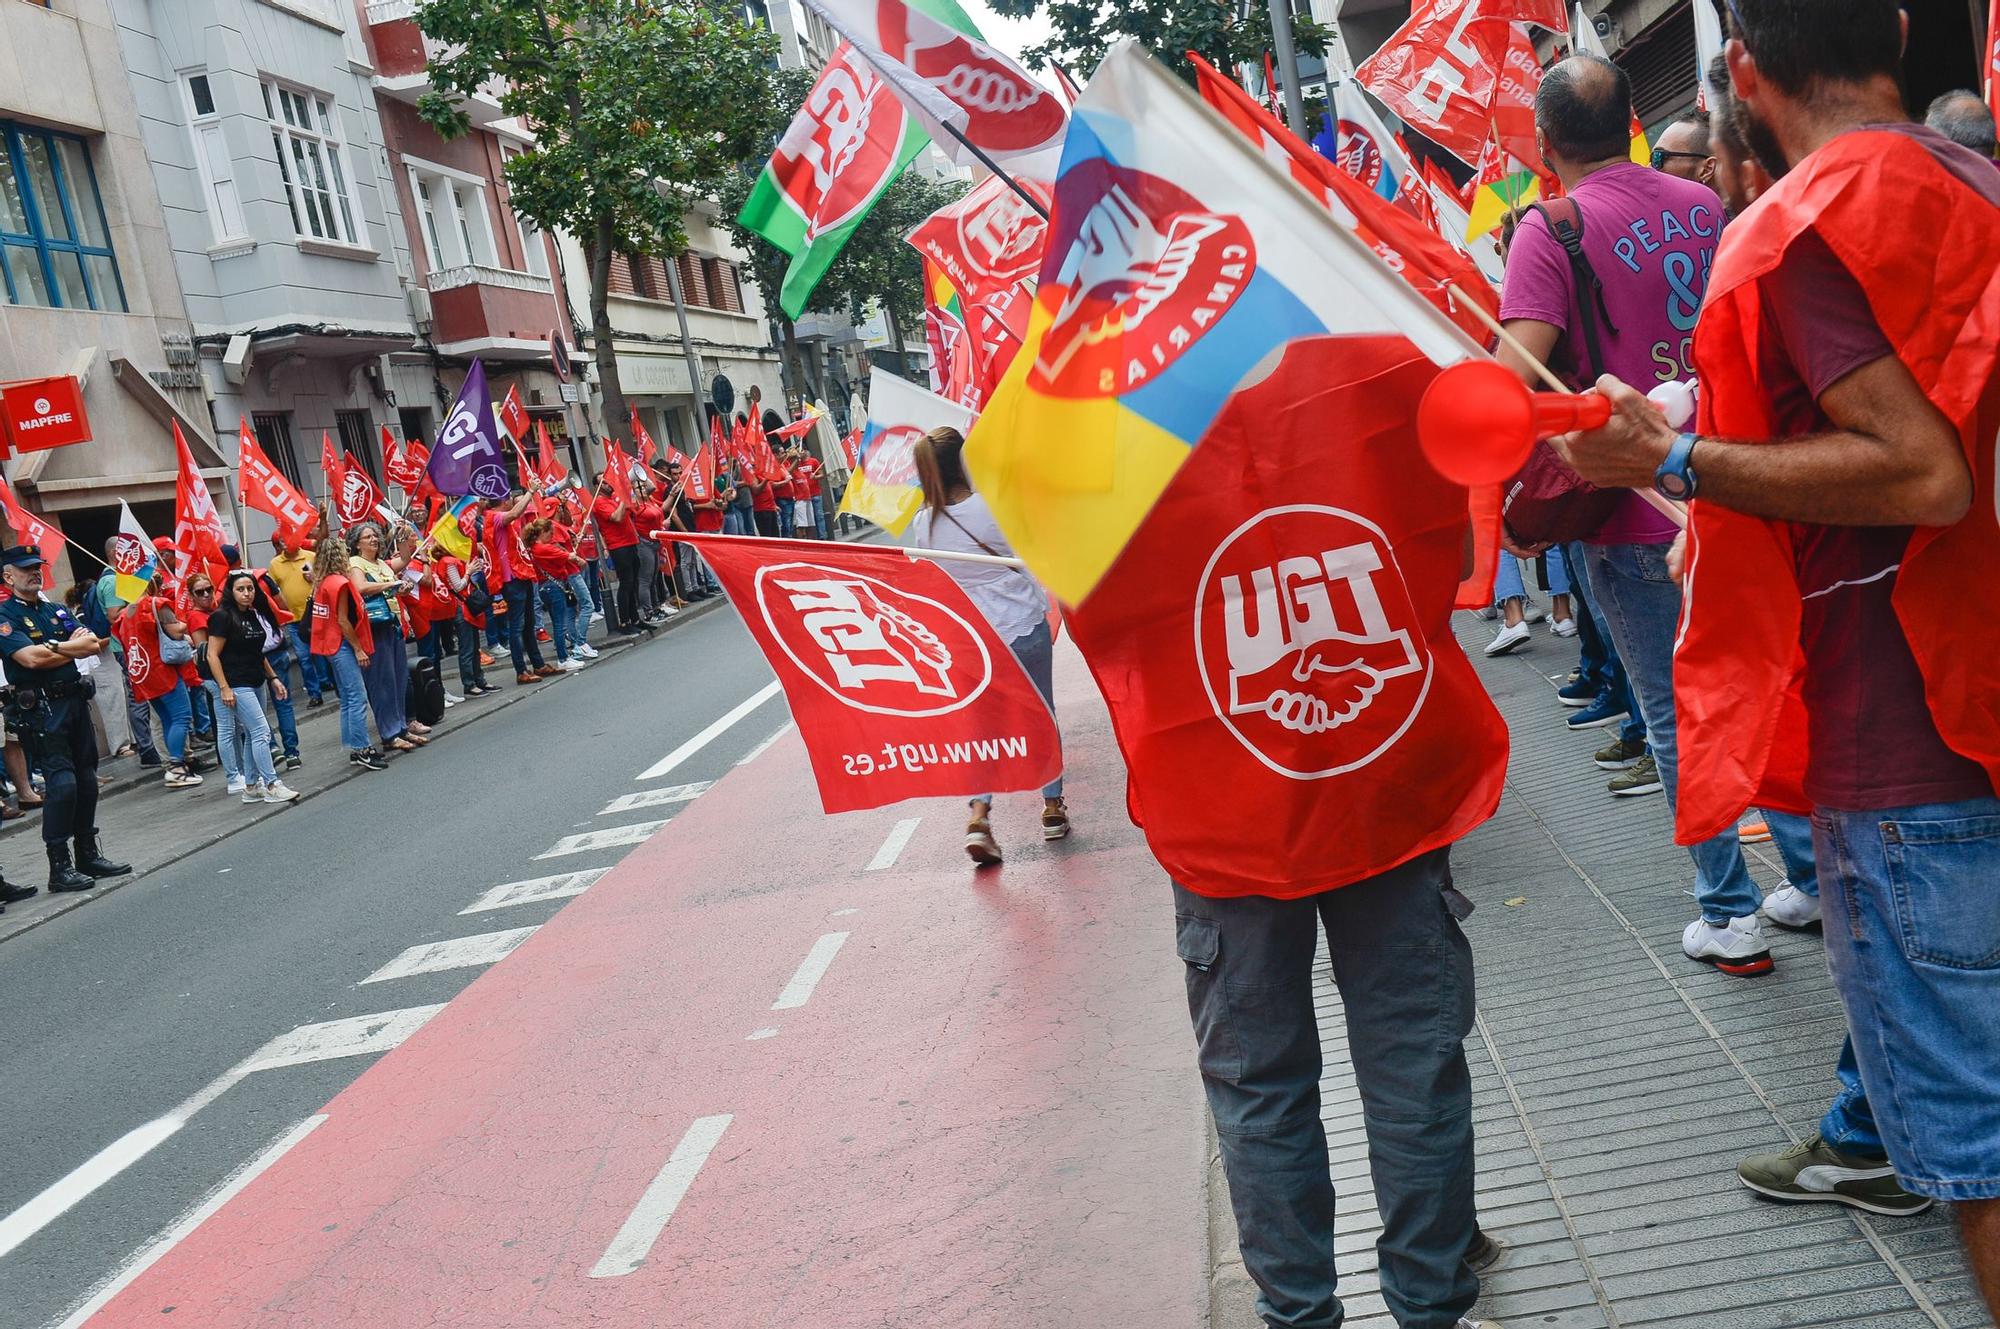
point(1676, 478)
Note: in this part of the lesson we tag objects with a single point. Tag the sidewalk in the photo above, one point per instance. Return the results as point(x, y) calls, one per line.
point(150, 826)
point(1616, 1082)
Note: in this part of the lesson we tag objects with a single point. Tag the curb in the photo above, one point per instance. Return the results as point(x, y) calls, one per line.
point(612, 648)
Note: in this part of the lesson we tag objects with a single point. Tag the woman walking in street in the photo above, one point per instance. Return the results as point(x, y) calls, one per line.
point(341, 637)
point(240, 629)
point(956, 518)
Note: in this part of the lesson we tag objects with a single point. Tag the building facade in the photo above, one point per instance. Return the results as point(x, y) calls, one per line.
point(88, 282)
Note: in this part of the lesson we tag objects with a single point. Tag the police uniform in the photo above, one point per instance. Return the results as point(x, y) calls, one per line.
point(48, 708)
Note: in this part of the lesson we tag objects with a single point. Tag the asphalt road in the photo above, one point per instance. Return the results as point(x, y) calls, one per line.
point(120, 1012)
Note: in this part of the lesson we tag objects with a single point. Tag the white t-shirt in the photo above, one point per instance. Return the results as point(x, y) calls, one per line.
point(1012, 601)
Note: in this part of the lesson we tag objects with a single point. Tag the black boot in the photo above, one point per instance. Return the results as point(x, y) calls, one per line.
point(63, 877)
point(10, 893)
point(90, 860)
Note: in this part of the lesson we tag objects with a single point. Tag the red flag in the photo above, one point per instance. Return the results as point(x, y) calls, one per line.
point(331, 468)
point(954, 369)
point(513, 415)
point(618, 470)
point(551, 466)
point(900, 686)
point(988, 241)
point(198, 532)
point(1992, 72)
point(265, 488)
point(1931, 275)
point(998, 324)
point(1439, 70)
point(1276, 648)
point(699, 473)
point(359, 494)
point(407, 466)
point(643, 441)
point(850, 448)
point(29, 529)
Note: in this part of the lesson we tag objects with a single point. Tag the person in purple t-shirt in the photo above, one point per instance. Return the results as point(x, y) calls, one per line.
point(1649, 238)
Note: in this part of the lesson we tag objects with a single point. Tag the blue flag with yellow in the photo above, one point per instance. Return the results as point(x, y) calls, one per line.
point(1180, 261)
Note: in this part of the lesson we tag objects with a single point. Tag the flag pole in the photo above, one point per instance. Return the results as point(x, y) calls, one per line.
point(993, 166)
point(1288, 66)
point(936, 555)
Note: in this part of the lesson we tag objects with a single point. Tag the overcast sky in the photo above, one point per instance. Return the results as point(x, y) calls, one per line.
point(1011, 35)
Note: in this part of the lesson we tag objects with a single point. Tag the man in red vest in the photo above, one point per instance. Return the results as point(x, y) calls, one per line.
point(1843, 619)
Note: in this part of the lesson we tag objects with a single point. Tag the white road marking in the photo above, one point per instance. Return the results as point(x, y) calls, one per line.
point(351, 1037)
point(710, 734)
point(634, 1242)
point(759, 1035)
point(203, 1210)
point(454, 953)
point(842, 913)
point(652, 798)
point(764, 746)
point(559, 887)
point(892, 848)
point(606, 839)
point(810, 971)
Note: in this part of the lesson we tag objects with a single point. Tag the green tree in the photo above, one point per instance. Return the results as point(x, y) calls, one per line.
point(640, 108)
point(1083, 30)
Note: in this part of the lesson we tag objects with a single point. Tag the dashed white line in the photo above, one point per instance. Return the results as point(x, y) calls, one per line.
point(759, 1035)
point(181, 1228)
point(355, 1036)
point(810, 971)
point(764, 746)
point(453, 953)
point(606, 839)
point(634, 1242)
point(652, 798)
point(58, 1198)
point(558, 887)
point(721, 726)
point(842, 913)
point(892, 848)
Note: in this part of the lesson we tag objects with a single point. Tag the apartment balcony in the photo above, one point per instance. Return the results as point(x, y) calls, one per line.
point(402, 54)
point(492, 312)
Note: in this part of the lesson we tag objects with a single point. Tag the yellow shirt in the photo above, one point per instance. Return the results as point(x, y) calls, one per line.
point(289, 571)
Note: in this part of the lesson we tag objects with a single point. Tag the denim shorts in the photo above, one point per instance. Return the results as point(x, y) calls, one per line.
point(1911, 903)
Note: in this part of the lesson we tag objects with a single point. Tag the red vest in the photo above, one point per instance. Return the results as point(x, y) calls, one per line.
point(1926, 251)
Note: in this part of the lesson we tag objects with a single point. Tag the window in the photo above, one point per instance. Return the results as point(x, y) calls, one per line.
point(534, 250)
point(274, 435)
point(357, 439)
point(415, 422)
point(211, 159)
point(456, 229)
point(466, 216)
point(312, 163)
point(433, 243)
point(55, 247)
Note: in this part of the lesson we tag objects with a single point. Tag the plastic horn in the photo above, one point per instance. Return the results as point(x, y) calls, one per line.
point(1477, 422)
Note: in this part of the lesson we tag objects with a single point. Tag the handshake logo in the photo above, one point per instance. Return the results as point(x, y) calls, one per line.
point(870, 645)
point(1304, 634)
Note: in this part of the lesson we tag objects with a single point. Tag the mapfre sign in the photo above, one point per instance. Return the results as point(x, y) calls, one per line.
point(43, 413)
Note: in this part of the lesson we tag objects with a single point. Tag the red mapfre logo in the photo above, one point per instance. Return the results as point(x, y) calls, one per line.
point(42, 413)
point(871, 646)
point(1307, 642)
point(1145, 272)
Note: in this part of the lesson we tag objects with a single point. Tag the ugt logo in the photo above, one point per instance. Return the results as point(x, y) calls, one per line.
point(871, 646)
point(1306, 641)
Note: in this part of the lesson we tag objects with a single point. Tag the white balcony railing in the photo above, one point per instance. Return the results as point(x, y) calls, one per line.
point(388, 11)
point(477, 274)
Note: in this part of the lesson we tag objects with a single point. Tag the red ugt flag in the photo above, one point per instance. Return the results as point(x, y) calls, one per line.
point(359, 496)
point(900, 686)
point(1275, 643)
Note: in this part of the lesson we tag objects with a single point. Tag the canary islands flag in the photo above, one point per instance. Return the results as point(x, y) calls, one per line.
point(1180, 263)
point(448, 535)
point(883, 488)
point(133, 558)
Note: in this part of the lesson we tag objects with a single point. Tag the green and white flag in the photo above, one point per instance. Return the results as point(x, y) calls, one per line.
point(847, 145)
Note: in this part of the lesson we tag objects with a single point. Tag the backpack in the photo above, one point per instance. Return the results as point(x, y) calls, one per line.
point(425, 702)
point(90, 612)
point(1545, 502)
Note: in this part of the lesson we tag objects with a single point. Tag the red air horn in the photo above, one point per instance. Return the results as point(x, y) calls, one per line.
point(1478, 422)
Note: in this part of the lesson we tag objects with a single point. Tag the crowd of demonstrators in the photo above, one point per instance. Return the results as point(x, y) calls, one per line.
point(1812, 330)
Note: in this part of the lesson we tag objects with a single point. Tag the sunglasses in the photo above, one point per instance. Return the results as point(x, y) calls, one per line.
point(1661, 157)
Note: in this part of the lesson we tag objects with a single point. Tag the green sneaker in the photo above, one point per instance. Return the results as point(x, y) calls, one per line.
point(1642, 778)
point(1622, 755)
point(1815, 1171)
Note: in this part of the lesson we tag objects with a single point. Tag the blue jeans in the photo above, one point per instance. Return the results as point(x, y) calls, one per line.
point(1911, 902)
point(1641, 605)
point(353, 690)
point(1036, 650)
point(735, 521)
point(555, 600)
point(586, 603)
point(243, 737)
point(819, 516)
point(1599, 657)
point(1793, 836)
point(312, 670)
point(520, 593)
point(174, 710)
point(1849, 1124)
point(1404, 970)
point(785, 527)
point(470, 674)
point(288, 719)
point(594, 579)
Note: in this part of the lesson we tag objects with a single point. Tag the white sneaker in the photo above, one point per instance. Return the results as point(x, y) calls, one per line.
point(571, 665)
point(1467, 1322)
point(180, 777)
point(1562, 627)
point(279, 792)
point(237, 785)
point(452, 699)
point(252, 793)
point(1509, 638)
point(597, 616)
point(587, 651)
point(1532, 612)
point(1737, 949)
point(1790, 907)
point(668, 611)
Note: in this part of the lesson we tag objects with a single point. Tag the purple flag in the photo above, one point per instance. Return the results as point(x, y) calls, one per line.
point(467, 458)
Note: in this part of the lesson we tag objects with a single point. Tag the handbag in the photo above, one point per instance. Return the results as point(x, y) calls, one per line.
point(1545, 502)
point(175, 650)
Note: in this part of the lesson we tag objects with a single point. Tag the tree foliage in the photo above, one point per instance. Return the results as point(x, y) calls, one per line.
point(1085, 29)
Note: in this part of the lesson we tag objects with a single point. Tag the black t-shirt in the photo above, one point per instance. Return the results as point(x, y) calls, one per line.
point(242, 637)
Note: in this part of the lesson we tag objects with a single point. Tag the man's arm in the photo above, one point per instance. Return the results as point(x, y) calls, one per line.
point(1892, 460)
point(1538, 339)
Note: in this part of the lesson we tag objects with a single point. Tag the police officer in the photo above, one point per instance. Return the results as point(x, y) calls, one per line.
point(39, 647)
